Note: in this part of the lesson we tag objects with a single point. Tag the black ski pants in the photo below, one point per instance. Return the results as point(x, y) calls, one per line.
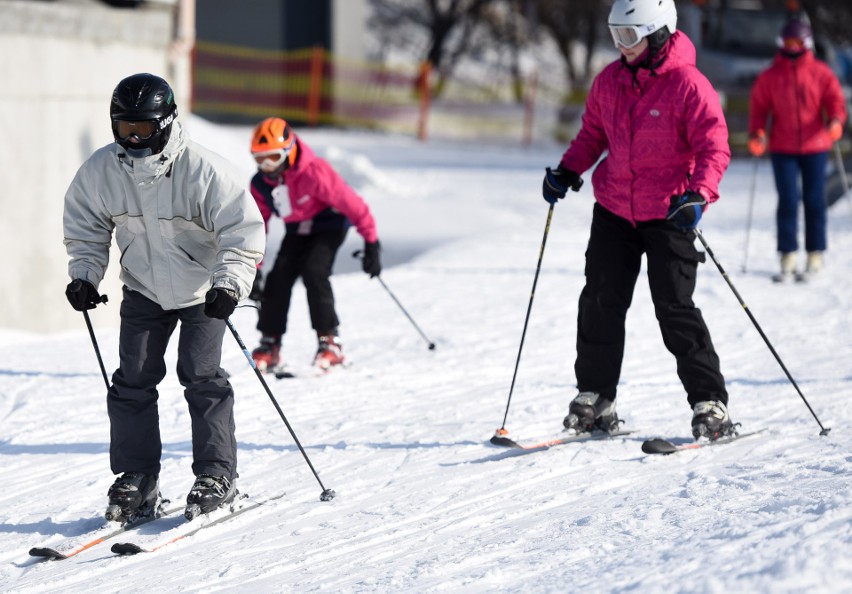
point(310, 257)
point(146, 327)
point(613, 261)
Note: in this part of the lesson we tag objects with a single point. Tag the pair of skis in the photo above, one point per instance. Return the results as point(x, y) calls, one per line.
point(79, 544)
point(649, 446)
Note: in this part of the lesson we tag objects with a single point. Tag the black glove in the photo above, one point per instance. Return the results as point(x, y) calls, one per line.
point(82, 295)
point(372, 263)
point(557, 181)
point(257, 287)
point(219, 303)
point(685, 211)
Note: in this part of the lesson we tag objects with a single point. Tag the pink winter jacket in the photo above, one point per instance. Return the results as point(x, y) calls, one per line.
point(313, 185)
point(664, 130)
point(800, 96)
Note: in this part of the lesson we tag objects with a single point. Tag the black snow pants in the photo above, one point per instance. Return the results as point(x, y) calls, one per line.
point(613, 261)
point(310, 257)
point(146, 327)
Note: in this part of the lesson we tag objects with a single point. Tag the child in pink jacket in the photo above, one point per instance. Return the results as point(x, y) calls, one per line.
point(660, 125)
point(318, 208)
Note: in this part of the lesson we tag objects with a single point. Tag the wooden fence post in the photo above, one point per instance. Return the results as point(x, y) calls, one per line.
point(425, 96)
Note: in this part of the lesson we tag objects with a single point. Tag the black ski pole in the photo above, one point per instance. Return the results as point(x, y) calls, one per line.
point(327, 494)
point(101, 299)
point(750, 210)
point(357, 254)
point(824, 431)
point(502, 432)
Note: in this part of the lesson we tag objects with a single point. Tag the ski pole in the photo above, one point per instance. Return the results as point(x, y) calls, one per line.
point(502, 432)
point(101, 299)
point(750, 209)
point(327, 494)
point(842, 168)
point(357, 254)
point(824, 430)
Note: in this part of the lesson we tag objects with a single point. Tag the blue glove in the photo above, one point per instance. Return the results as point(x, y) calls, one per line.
point(557, 181)
point(685, 211)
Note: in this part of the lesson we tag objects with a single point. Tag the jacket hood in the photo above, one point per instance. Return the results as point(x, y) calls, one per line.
point(676, 53)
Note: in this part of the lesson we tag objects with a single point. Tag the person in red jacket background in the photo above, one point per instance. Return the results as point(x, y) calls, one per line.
point(318, 207)
point(661, 124)
point(801, 100)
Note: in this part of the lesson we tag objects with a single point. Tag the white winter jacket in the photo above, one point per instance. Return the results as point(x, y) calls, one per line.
point(182, 224)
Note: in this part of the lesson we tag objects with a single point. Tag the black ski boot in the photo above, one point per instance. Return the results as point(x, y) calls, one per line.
point(208, 493)
point(588, 411)
point(710, 420)
point(133, 495)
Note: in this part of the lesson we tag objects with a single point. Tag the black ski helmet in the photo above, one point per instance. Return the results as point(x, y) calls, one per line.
point(143, 98)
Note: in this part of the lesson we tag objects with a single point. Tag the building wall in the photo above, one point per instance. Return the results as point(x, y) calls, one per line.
point(348, 21)
point(60, 63)
point(337, 25)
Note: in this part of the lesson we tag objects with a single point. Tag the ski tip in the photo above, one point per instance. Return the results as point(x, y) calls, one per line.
point(503, 442)
point(46, 553)
point(126, 548)
point(658, 446)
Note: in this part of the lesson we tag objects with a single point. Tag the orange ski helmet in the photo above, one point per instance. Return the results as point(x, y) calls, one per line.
point(273, 146)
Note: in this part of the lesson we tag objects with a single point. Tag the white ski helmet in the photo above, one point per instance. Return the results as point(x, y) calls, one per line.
point(630, 21)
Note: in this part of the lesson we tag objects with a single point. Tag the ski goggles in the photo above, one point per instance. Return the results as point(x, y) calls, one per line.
point(626, 36)
point(793, 45)
point(142, 130)
point(270, 161)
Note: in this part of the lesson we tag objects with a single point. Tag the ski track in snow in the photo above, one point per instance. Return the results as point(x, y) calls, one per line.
point(424, 503)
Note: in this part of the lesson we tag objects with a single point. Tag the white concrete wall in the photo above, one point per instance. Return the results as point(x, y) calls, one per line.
point(349, 20)
point(59, 62)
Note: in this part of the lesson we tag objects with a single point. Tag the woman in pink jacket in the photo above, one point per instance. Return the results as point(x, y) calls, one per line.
point(660, 124)
point(805, 103)
point(318, 208)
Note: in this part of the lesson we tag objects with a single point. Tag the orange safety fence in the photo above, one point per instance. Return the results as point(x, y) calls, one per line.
point(314, 87)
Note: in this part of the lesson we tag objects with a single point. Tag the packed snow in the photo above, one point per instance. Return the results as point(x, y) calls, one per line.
point(424, 503)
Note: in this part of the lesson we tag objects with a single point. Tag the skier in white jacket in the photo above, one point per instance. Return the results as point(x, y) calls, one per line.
point(190, 239)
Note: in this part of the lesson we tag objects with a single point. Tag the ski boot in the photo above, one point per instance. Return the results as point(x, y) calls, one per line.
point(788, 268)
point(329, 353)
point(710, 420)
point(589, 411)
point(133, 495)
point(267, 356)
point(209, 493)
point(812, 268)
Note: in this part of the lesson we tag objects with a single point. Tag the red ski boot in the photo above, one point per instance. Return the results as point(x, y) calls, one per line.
point(330, 352)
point(267, 356)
